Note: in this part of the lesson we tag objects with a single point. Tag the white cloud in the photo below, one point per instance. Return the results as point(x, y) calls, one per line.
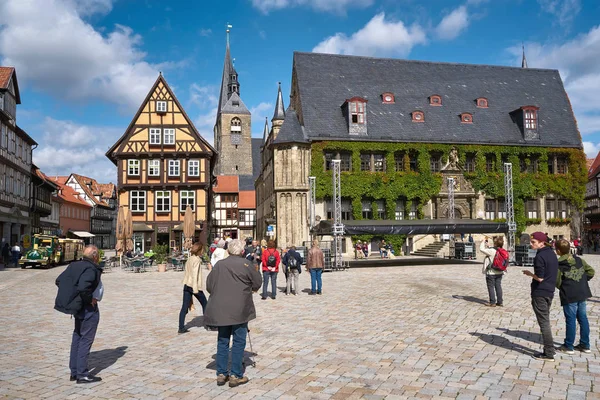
point(336, 6)
point(259, 113)
point(453, 24)
point(591, 149)
point(56, 51)
point(378, 37)
point(205, 32)
point(564, 10)
point(204, 96)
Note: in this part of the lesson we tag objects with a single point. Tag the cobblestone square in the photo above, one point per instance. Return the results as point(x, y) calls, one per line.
point(375, 333)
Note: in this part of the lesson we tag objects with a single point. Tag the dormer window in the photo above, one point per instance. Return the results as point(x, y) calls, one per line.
point(482, 102)
point(357, 112)
point(418, 116)
point(388, 98)
point(161, 106)
point(530, 117)
point(466, 118)
point(435, 100)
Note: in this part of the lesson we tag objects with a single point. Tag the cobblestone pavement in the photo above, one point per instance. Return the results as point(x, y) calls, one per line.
point(395, 333)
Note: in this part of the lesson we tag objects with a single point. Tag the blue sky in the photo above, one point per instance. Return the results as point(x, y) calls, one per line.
point(84, 66)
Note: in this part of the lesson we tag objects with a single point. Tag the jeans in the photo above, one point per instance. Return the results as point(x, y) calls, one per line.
point(541, 308)
point(187, 298)
point(266, 276)
point(494, 285)
point(315, 280)
point(292, 274)
point(575, 312)
point(237, 349)
point(86, 325)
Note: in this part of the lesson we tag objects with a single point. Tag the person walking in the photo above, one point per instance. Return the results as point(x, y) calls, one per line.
point(573, 288)
point(270, 268)
point(16, 255)
point(82, 281)
point(315, 263)
point(229, 308)
point(6, 254)
point(493, 276)
point(543, 282)
point(293, 265)
point(193, 284)
point(219, 254)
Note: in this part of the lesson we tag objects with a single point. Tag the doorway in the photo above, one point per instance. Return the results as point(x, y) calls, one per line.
point(162, 238)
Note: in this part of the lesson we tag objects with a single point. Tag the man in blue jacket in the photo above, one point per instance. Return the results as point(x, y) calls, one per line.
point(545, 272)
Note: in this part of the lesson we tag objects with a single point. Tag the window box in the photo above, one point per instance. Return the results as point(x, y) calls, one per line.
point(558, 221)
point(533, 221)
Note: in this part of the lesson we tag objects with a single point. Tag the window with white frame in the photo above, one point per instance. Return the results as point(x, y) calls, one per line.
point(400, 206)
point(174, 167)
point(193, 168)
point(531, 209)
point(163, 201)
point(490, 209)
point(161, 106)
point(412, 213)
point(133, 167)
point(155, 134)
point(187, 198)
point(153, 167)
point(169, 136)
point(137, 200)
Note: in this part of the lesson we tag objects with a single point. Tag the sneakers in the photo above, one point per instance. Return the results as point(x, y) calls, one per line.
point(235, 381)
point(565, 349)
point(583, 349)
point(184, 330)
point(542, 357)
point(221, 379)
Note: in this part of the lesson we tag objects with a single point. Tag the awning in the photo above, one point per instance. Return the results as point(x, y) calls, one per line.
point(180, 227)
point(82, 234)
point(413, 227)
point(140, 227)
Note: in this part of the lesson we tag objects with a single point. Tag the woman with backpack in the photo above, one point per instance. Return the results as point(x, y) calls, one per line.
point(494, 267)
point(270, 268)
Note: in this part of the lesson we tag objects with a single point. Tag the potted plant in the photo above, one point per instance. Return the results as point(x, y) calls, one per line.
point(102, 261)
point(160, 256)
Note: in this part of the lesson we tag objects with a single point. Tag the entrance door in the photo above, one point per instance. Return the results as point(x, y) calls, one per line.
point(162, 238)
point(138, 242)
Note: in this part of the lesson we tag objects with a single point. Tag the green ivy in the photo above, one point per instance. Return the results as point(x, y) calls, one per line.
point(397, 241)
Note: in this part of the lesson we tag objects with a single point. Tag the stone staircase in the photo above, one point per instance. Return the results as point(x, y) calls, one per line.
point(435, 249)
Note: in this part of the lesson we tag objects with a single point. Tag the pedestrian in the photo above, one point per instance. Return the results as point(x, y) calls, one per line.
point(16, 255)
point(579, 247)
point(573, 288)
point(270, 268)
point(230, 308)
point(193, 284)
point(470, 239)
point(493, 275)
point(6, 254)
point(315, 263)
point(219, 254)
point(293, 266)
point(365, 249)
point(382, 249)
point(81, 281)
point(545, 271)
point(253, 253)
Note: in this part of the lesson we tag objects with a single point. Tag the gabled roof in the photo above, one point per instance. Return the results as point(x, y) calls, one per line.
point(108, 190)
point(234, 105)
point(91, 188)
point(68, 194)
point(291, 131)
point(325, 81)
point(6, 75)
point(594, 169)
point(39, 174)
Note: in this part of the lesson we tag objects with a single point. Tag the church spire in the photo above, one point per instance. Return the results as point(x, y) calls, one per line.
point(279, 114)
point(229, 81)
point(524, 60)
point(266, 131)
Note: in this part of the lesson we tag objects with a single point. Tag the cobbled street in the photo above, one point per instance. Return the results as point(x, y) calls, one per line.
point(395, 333)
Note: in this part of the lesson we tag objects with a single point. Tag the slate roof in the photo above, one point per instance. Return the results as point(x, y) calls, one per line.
point(246, 183)
point(256, 157)
point(225, 100)
point(326, 81)
point(279, 113)
point(291, 131)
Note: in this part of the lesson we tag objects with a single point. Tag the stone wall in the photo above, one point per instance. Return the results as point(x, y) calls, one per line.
point(234, 159)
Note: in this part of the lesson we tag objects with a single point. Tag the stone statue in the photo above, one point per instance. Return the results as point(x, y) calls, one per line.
point(453, 158)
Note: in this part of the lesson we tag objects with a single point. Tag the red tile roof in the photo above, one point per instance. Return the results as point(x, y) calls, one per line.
point(226, 184)
point(247, 199)
point(92, 188)
point(107, 189)
point(68, 194)
point(5, 75)
point(595, 167)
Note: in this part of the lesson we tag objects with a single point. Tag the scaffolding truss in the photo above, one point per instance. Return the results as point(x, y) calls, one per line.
point(311, 201)
point(510, 210)
point(451, 214)
point(338, 227)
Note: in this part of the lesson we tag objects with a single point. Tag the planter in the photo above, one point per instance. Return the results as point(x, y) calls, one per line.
point(162, 267)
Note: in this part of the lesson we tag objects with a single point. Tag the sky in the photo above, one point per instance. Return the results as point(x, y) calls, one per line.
point(85, 66)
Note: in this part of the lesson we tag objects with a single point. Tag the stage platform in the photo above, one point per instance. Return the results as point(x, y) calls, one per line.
point(405, 261)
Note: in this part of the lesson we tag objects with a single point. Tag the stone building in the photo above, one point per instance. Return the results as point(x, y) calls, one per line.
point(401, 128)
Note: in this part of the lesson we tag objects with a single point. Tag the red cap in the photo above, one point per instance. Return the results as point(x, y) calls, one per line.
point(539, 236)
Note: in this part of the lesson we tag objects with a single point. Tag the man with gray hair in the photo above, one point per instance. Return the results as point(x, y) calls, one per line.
point(229, 308)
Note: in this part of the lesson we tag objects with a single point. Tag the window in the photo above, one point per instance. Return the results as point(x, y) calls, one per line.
point(357, 112)
point(490, 162)
point(399, 161)
point(4, 132)
point(551, 169)
point(418, 116)
point(388, 98)
point(466, 118)
point(412, 213)
point(400, 206)
point(174, 167)
point(435, 162)
point(236, 125)
point(161, 106)
point(155, 135)
point(346, 161)
point(482, 102)
point(531, 209)
point(137, 200)
point(169, 136)
point(329, 156)
point(561, 165)
point(379, 162)
point(380, 209)
point(556, 208)
point(530, 116)
point(470, 162)
point(163, 201)
point(347, 210)
point(193, 168)
point(561, 209)
point(231, 213)
point(187, 198)
point(365, 162)
point(532, 168)
point(413, 162)
point(133, 167)
point(501, 208)
point(153, 167)
point(435, 100)
point(550, 208)
point(367, 209)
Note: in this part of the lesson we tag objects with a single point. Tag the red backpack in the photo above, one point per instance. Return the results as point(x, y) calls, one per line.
point(500, 260)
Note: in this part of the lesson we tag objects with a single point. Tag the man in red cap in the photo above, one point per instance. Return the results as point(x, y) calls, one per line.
point(545, 272)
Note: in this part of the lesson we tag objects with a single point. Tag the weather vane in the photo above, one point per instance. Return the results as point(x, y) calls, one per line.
point(229, 26)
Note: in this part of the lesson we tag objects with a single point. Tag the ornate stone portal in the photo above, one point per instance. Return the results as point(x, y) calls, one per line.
point(464, 194)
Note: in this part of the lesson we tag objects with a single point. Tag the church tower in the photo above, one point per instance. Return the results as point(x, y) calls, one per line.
point(233, 125)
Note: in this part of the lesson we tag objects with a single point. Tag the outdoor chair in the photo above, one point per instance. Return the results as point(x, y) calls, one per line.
point(137, 266)
point(177, 265)
point(126, 264)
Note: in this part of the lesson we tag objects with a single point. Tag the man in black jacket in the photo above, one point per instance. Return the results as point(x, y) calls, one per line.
point(293, 265)
point(545, 272)
point(85, 277)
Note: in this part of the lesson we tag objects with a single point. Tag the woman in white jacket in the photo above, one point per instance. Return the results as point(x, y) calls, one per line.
point(493, 277)
point(193, 284)
point(219, 253)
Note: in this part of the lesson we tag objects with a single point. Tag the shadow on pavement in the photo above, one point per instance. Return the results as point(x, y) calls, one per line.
point(247, 361)
point(103, 359)
point(529, 336)
point(196, 322)
point(503, 342)
point(471, 299)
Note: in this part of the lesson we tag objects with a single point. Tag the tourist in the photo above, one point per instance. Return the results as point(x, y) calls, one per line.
point(315, 263)
point(573, 288)
point(193, 284)
point(293, 266)
point(382, 249)
point(358, 251)
point(493, 276)
point(253, 253)
point(579, 247)
point(270, 268)
point(230, 308)
point(470, 239)
point(545, 271)
point(6, 254)
point(16, 255)
point(219, 254)
point(365, 249)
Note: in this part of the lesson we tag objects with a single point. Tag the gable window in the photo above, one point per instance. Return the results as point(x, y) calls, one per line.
point(470, 162)
point(161, 106)
point(174, 167)
point(187, 198)
point(193, 168)
point(435, 100)
point(163, 201)
point(466, 118)
point(365, 162)
point(133, 167)
point(155, 135)
point(399, 161)
point(530, 117)
point(169, 136)
point(357, 112)
point(153, 167)
point(418, 116)
point(137, 200)
point(435, 162)
point(388, 98)
point(531, 209)
point(482, 102)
